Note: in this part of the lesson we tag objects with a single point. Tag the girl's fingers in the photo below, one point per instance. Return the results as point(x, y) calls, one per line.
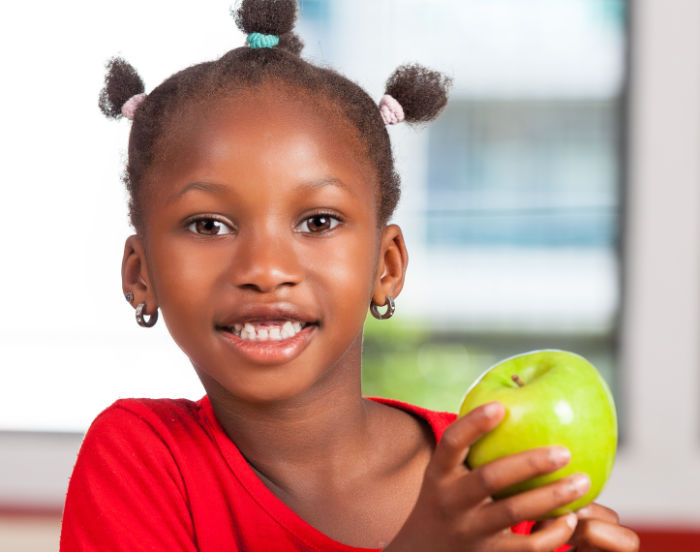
point(495, 476)
point(600, 535)
point(533, 504)
point(452, 449)
point(592, 511)
point(549, 538)
point(596, 511)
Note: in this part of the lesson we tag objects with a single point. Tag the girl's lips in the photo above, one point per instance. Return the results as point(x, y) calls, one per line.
point(272, 351)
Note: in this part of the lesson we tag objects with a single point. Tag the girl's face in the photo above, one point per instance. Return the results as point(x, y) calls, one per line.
point(262, 246)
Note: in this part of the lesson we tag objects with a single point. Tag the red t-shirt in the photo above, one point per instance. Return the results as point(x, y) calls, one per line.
point(162, 475)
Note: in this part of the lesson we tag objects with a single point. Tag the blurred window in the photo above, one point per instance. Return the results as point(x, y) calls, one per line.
point(511, 198)
point(524, 173)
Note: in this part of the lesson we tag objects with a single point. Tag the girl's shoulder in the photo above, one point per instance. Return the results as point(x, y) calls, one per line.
point(147, 408)
point(129, 472)
point(170, 431)
point(157, 416)
point(436, 420)
point(405, 436)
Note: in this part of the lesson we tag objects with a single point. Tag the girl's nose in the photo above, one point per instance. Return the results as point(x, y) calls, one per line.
point(265, 262)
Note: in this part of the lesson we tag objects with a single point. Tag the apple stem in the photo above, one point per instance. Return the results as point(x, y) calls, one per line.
point(516, 379)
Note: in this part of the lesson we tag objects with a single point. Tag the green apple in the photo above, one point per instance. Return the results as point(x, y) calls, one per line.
point(551, 398)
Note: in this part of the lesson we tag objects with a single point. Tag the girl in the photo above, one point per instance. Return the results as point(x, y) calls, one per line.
point(260, 188)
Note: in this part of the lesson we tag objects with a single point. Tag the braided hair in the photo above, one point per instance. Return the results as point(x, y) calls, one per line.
point(422, 94)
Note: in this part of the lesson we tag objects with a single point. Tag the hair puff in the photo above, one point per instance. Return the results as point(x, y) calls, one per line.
point(121, 83)
point(290, 42)
point(276, 17)
point(421, 92)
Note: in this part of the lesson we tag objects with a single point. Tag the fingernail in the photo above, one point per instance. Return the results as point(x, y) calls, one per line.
point(581, 483)
point(491, 409)
point(571, 520)
point(559, 455)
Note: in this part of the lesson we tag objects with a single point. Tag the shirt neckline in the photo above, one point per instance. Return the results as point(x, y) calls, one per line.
point(278, 511)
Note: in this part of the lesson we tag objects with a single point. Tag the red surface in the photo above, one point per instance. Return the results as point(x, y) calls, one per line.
point(27, 511)
point(663, 539)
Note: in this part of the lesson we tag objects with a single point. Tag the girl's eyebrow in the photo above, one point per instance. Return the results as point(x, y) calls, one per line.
point(316, 184)
point(215, 187)
point(204, 186)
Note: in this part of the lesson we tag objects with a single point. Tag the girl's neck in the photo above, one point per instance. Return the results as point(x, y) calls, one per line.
point(323, 433)
point(295, 430)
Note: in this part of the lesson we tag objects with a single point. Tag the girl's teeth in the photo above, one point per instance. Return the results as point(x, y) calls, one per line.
point(267, 331)
point(287, 330)
point(248, 332)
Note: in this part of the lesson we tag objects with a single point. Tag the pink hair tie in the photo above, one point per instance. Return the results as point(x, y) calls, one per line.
point(132, 104)
point(391, 110)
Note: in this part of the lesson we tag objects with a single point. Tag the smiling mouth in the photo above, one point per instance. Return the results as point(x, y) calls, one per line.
point(276, 330)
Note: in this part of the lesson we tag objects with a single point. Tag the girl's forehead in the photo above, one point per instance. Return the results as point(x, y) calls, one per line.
point(265, 133)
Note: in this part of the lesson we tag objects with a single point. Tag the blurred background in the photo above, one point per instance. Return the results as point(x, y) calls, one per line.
point(554, 204)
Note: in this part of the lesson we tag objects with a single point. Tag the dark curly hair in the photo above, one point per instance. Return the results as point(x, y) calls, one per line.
point(422, 94)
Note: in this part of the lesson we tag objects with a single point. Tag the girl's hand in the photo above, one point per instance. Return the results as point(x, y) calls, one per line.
point(599, 529)
point(454, 510)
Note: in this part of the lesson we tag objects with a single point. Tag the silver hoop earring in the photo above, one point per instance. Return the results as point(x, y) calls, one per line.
point(141, 320)
point(390, 308)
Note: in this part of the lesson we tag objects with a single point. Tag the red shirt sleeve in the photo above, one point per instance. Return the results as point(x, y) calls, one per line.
point(125, 490)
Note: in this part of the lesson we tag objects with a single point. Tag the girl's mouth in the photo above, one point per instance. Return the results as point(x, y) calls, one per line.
point(269, 341)
point(268, 334)
point(270, 330)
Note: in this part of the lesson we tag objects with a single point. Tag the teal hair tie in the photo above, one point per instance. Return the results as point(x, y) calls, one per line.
point(259, 40)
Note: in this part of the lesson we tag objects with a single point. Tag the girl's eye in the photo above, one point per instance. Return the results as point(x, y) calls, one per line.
point(209, 227)
point(319, 223)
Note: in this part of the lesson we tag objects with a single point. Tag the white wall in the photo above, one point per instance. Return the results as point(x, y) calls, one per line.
point(656, 476)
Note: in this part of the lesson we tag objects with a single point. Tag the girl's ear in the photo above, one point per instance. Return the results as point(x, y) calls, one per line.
point(393, 260)
point(135, 278)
